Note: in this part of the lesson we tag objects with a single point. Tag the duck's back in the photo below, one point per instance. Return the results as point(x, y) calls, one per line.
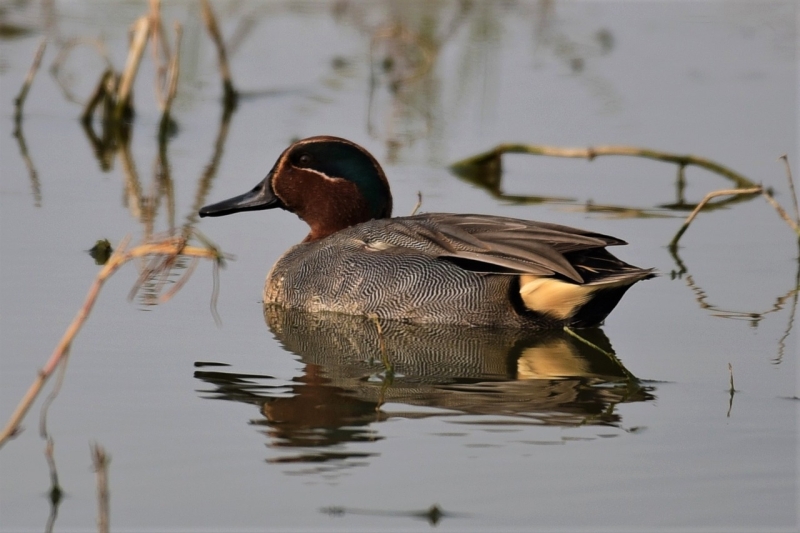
point(454, 269)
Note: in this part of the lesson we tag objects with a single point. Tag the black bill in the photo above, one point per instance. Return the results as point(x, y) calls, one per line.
point(261, 197)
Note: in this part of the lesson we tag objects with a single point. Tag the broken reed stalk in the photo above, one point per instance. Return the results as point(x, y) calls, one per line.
point(56, 493)
point(141, 30)
point(493, 157)
point(610, 354)
point(730, 371)
point(172, 86)
point(728, 192)
point(101, 91)
point(19, 101)
point(100, 462)
point(782, 212)
point(785, 159)
point(418, 204)
point(210, 20)
point(52, 396)
point(388, 378)
point(174, 69)
point(49, 453)
point(168, 247)
point(159, 48)
point(26, 158)
point(732, 391)
point(381, 343)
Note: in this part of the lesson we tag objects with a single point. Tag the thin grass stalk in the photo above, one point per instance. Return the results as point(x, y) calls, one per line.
point(785, 159)
point(782, 212)
point(36, 185)
point(418, 204)
point(140, 33)
point(56, 493)
point(19, 101)
point(172, 87)
point(160, 50)
point(174, 68)
point(100, 461)
point(210, 20)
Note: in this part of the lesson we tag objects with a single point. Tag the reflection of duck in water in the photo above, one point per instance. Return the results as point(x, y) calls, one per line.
point(351, 369)
point(434, 268)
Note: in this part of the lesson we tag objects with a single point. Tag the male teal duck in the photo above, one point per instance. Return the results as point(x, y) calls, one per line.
point(474, 270)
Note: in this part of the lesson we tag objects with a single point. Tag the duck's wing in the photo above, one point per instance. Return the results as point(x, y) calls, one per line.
point(484, 243)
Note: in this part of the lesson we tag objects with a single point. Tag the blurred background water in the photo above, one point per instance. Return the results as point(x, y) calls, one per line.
point(500, 431)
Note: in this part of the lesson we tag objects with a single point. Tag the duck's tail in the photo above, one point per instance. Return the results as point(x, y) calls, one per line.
point(606, 279)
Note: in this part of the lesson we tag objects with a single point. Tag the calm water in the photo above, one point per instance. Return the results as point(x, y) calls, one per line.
point(291, 422)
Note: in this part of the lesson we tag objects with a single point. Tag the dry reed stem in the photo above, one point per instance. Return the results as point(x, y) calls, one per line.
point(163, 175)
point(172, 89)
point(174, 69)
point(730, 370)
point(492, 156)
point(168, 247)
point(56, 493)
point(210, 21)
point(133, 188)
point(19, 101)
point(727, 192)
point(210, 169)
point(26, 158)
point(160, 49)
point(381, 341)
point(100, 462)
point(140, 33)
point(782, 212)
point(418, 204)
point(782, 340)
point(51, 461)
point(52, 396)
point(610, 354)
point(388, 378)
point(785, 159)
point(162, 34)
point(732, 391)
point(101, 92)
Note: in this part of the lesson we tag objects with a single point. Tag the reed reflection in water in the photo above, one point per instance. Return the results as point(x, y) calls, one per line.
point(354, 365)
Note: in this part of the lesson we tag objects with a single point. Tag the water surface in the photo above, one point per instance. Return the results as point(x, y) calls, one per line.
point(292, 422)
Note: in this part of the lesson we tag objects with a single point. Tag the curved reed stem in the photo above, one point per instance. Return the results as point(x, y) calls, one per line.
point(728, 192)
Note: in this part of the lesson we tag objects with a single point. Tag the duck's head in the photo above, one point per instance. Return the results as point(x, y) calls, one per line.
point(329, 182)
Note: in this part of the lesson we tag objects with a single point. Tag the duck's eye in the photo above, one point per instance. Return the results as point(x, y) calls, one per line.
point(305, 159)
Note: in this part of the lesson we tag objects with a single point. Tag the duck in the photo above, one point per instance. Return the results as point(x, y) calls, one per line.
point(472, 270)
